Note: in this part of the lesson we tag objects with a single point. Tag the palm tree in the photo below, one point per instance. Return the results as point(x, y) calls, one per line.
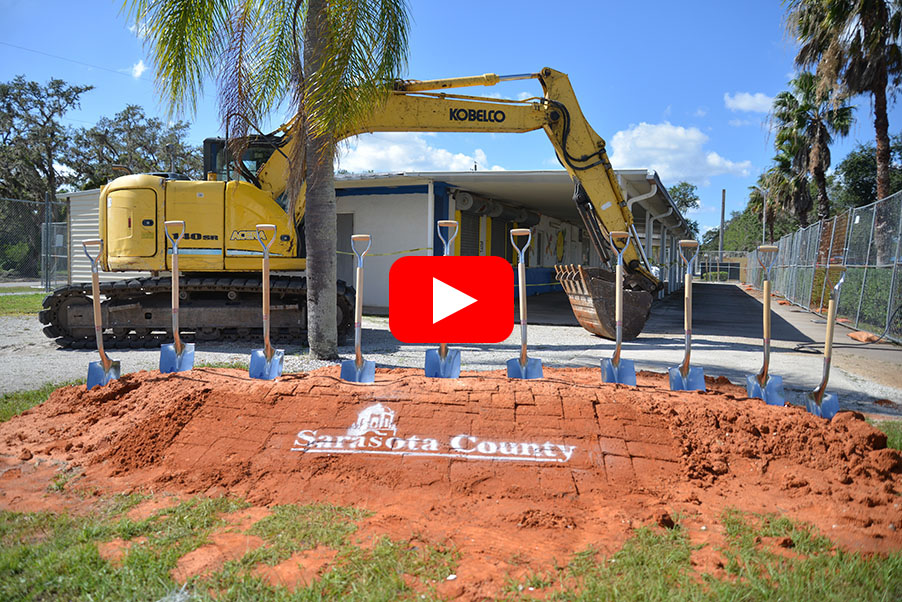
point(787, 179)
point(806, 120)
point(854, 44)
point(332, 61)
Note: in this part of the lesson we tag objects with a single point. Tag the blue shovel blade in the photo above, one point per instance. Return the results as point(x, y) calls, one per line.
point(828, 407)
point(532, 369)
point(772, 393)
point(624, 374)
point(366, 373)
point(264, 370)
point(694, 381)
point(98, 377)
point(447, 368)
point(170, 361)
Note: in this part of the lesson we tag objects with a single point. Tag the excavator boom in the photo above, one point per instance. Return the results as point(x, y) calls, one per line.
point(221, 265)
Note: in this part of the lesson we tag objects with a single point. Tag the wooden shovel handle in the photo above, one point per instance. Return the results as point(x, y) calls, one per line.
point(831, 319)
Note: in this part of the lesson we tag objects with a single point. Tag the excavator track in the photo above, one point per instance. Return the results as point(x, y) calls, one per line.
point(217, 309)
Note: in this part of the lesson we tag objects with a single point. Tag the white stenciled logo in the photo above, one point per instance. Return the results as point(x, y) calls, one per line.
point(375, 432)
point(376, 419)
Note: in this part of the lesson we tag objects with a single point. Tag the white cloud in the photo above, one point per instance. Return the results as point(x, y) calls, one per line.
point(700, 112)
point(745, 101)
point(524, 95)
point(406, 151)
point(675, 152)
point(140, 30)
point(738, 123)
point(138, 69)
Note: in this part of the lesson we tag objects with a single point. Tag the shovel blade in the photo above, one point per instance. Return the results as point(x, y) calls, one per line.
point(98, 377)
point(624, 374)
point(172, 361)
point(772, 393)
point(694, 381)
point(436, 367)
point(827, 408)
point(366, 373)
point(266, 370)
point(532, 369)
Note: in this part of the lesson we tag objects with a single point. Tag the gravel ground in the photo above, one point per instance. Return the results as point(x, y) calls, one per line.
point(29, 359)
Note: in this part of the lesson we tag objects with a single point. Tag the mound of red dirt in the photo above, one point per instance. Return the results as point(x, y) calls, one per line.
point(499, 467)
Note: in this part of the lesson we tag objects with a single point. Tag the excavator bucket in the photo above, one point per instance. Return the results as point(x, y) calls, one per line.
point(592, 295)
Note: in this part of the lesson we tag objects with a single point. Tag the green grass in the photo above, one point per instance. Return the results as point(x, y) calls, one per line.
point(13, 404)
point(893, 430)
point(15, 305)
point(655, 564)
point(18, 289)
point(46, 556)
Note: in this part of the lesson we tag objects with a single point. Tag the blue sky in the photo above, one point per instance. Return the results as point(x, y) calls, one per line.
point(681, 87)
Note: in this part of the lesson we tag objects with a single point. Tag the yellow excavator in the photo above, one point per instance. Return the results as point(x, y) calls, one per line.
point(219, 256)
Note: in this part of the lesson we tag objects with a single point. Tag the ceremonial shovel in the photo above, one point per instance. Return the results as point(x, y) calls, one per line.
point(177, 356)
point(821, 402)
point(523, 367)
point(762, 386)
point(102, 372)
point(266, 363)
point(444, 362)
point(616, 370)
point(359, 370)
point(685, 377)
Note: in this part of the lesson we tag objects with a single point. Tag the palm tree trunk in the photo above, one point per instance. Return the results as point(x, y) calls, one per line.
point(881, 127)
point(320, 217)
point(823, 201)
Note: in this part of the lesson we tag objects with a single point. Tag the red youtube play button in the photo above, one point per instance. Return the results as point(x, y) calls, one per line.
point(451, 299)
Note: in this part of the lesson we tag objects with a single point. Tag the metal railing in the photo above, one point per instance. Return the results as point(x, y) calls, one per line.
point(865, 243)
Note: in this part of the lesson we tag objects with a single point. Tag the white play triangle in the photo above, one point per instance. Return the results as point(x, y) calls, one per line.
point(447, 300)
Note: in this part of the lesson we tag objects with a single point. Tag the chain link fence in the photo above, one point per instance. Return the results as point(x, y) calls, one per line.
point(34, 246)
point(865, 244)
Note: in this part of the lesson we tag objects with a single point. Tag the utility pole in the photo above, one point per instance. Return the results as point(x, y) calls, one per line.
point(723, 204)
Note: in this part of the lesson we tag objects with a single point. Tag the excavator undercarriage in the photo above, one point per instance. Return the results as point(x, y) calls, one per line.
point(222, 308)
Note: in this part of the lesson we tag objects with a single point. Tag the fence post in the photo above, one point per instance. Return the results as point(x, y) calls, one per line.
point(845, 252)
point(820, 305)
point(867, 258)
point(46, 243)
point(892, 281)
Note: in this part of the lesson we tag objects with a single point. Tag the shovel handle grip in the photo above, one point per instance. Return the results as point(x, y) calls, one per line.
point(361, 238)
point(521, 232)
point(175, 240)
point(620, 235)
point(447, 223)
point(261, 232)
point(94, 242)
point(771, 252)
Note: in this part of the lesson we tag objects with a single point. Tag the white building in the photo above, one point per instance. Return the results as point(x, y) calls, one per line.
point(400, 211)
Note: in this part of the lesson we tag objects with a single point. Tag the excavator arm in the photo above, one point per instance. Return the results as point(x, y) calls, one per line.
point(419, 106)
